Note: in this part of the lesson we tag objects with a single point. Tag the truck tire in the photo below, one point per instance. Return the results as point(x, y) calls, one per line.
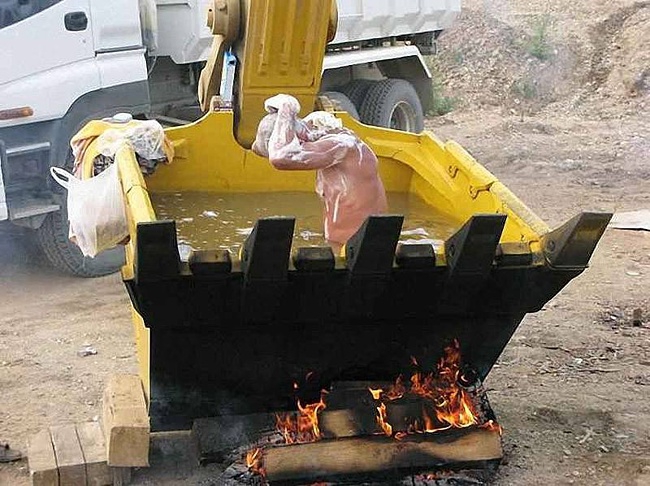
point(356, 91)
point(393, 103)
point(52, 238)
point(344, 103)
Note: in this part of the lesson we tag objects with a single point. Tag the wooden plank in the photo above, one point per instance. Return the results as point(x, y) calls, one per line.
point(216, 436)
point(69, 458)
point(42, 461)
point(336, 424)
point(375, 455)
point(93, 447)
point(126, 422)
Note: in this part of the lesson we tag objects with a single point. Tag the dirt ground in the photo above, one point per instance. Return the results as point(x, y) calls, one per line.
point(572, 388)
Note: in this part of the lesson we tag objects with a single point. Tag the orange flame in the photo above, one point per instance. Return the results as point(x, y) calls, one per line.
point(492, 425)
point(446, 404)
point(254, 461)
point(383, 421)
point(302, 427)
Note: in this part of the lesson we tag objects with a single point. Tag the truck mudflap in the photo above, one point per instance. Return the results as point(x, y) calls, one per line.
point(226, 334)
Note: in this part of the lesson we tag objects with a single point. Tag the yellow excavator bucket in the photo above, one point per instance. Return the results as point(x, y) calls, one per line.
point(235, 294)
point(233, 323)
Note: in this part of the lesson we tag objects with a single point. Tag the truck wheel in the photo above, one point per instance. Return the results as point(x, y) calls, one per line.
point(356, 91)
point(344, 103)
point(393, 103)
point(52, 237)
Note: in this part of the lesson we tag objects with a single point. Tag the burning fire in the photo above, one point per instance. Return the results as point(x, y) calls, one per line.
point(254, 461)
point(445, 404)
point(382, 420)
point(439, 398)
point(301, 427)
point(492, 425)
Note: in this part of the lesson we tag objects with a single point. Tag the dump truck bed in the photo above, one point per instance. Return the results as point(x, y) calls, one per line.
point(372, 19)
point(231, 326)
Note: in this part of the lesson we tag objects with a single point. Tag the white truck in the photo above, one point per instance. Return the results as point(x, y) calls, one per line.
point(65, 62)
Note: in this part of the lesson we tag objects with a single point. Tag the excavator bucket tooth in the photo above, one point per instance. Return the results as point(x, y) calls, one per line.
point(267, 249)
point(471, 251)
point(265, 261)
point(157, 255)
point(370, 256)
point(371, 250)
point(572, 244)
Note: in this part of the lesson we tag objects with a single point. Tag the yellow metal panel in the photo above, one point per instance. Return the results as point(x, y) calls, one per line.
point(214, 162)
point(448, 178)
point(142, 343)
point(139, 209)
point(443, 174)
point(284, 52)
point(210, 163)
point(138, 203)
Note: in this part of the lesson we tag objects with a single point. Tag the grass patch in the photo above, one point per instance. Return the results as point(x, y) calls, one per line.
point(441, 104)
point(525, 89)
point(458, 57)
point(538, 44)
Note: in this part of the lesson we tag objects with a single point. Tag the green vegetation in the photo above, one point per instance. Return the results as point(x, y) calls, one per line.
point(524, 88)
point(441, 104)
point(459, 57)
point(538, 44)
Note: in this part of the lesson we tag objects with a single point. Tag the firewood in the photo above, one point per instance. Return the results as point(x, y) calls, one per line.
point(126, 422)
point(379, 454)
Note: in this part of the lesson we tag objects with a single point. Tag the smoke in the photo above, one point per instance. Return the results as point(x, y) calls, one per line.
point(16, 250)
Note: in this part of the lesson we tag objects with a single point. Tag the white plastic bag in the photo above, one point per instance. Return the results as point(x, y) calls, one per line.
point(96, 210)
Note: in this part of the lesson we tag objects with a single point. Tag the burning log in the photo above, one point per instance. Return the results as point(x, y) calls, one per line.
point(361, 429)
point(328, 459)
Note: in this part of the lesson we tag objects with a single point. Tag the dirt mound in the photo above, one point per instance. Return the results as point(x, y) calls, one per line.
point(621, 64)
point(485, 61)
point(589, 56)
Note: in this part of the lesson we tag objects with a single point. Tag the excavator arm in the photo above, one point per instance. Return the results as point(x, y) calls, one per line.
point(280, 47)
